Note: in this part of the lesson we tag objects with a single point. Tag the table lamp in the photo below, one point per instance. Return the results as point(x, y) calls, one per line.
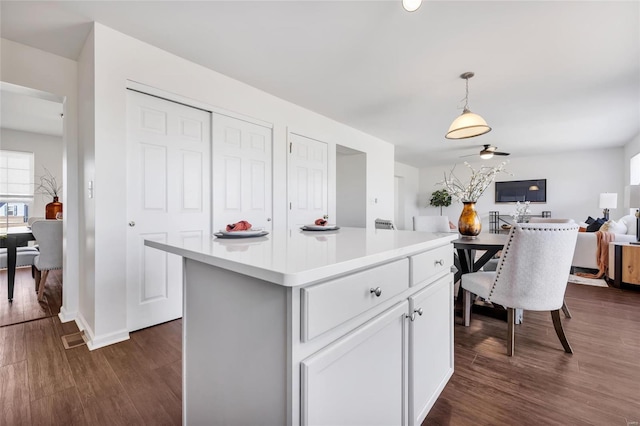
point(632, 200)
point(608, 200)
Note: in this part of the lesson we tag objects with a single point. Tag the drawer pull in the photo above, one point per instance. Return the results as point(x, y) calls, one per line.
point(440, 262)
point(418, 311)
point(377, 291)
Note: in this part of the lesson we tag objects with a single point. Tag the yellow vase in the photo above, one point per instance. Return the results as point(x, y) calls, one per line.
point(469, 224)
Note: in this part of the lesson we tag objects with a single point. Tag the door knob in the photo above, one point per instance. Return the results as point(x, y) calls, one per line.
point(268, 219)
point(132, 224)
point(412, 317)
point(377, 291)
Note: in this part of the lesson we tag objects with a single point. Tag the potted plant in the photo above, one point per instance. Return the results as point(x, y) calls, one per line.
point(440, 198)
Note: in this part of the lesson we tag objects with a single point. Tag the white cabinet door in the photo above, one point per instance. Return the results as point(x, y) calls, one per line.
point(430, 347)
point(308, 180)
point(241, 172)
point(168, 146)
point(361, 378)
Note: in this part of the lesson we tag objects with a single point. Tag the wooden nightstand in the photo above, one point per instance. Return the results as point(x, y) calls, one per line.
point(627, 264)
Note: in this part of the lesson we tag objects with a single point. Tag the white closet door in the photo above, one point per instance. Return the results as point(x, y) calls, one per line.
point(241, 172)
point(308, 180)
point(168, 187)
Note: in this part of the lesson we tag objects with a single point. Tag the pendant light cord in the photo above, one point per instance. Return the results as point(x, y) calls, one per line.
point(466, 95)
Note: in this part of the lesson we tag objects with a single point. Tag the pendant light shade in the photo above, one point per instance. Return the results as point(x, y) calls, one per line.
point(411, 5)
point(468, 124)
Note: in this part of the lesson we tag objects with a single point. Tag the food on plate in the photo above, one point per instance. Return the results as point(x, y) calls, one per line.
point(243, 225)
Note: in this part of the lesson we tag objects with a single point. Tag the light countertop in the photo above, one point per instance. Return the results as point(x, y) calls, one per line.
point(293, 257)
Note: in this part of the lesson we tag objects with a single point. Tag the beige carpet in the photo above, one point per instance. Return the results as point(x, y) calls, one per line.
point(574, 279)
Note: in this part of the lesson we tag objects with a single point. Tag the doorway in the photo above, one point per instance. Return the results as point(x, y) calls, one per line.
point(351, 187)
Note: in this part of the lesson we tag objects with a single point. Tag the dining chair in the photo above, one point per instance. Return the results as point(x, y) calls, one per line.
point(33, 219)
point(24, 256)
point(384, 224)
point(431, 223)
point(565, 308)
point(48, 234)
point(531, 275)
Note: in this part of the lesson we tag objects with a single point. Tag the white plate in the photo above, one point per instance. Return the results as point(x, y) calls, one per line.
point(319, 227)
point(241, 234)
point(248, 233)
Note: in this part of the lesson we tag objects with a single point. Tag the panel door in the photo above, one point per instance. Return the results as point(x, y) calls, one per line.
point(359, 379)
point(308, 180)
point(168, 175)
point(430, 347)
point(241, 173)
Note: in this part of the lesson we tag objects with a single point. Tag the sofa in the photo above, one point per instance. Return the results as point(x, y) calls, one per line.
point(584, 255)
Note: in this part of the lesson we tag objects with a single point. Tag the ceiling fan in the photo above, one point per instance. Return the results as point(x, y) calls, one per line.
point(489, 151)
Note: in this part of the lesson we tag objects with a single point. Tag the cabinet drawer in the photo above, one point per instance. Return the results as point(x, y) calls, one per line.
point(328, 304)
point(430, 263)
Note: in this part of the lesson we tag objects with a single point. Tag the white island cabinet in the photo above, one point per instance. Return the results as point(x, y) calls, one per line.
point(353, 326)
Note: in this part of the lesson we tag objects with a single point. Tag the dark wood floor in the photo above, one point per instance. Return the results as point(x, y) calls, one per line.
point(25, 306)
point(139, 381)
point(541, 385)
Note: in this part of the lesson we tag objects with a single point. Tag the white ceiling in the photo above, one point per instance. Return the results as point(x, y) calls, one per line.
point(550, 75)
point(28, 113)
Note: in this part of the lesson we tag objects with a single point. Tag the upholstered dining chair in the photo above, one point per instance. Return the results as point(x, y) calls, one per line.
point(531, 275)
point(384, 224)
point(48, 234)
point(24, 257)
point(431, 223)
point(565, 308)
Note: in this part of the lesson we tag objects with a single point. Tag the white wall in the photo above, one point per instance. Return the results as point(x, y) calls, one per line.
point(351, 190)
point(574, 182)
point(36, 69)
point(47, 152)
point(630, 149)
point(86, 154)
point(118, 58)
point(411, 197)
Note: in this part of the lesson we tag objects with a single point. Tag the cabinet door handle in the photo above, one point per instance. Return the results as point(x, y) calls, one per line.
point(377, 291)
point(440, 262)
point(412, 317)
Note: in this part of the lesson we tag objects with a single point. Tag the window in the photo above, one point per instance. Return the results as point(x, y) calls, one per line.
point(16, 186)
point(634, 170)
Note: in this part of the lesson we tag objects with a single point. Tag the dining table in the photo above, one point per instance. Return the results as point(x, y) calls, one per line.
point(468, 262)
point(16, 237)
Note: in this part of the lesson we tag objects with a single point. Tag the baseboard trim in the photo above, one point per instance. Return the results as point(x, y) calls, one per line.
point(66, 316)
point(96, 342)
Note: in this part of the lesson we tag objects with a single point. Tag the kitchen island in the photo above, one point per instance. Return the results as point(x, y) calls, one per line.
point(353, 326)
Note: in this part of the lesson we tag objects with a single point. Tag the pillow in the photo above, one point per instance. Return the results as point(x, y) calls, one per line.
point(582, 229)
point(451, 225)
point(614, 227)
point(589, 220)
point(630, 222)
point(595, 225)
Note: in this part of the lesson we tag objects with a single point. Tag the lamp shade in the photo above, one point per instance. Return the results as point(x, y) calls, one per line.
point(632, 196)
point(467, 125)
point(608, 200)
point(411, 5)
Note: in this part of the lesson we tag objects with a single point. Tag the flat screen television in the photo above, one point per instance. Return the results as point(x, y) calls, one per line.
point(534, 190)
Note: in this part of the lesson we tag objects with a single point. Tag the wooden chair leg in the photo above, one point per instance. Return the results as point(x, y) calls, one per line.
point(511, 319)
point(557, 324)
point(36, 278)
point(466, 308)
point(565, 309)
point(43, 280)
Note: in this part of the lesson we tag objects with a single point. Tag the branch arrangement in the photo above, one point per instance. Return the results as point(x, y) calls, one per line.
point(48, 184)
point(478, 183)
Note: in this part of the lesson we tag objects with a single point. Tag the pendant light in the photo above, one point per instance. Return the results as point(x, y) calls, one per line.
point(468, 124)
point(411, 5)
